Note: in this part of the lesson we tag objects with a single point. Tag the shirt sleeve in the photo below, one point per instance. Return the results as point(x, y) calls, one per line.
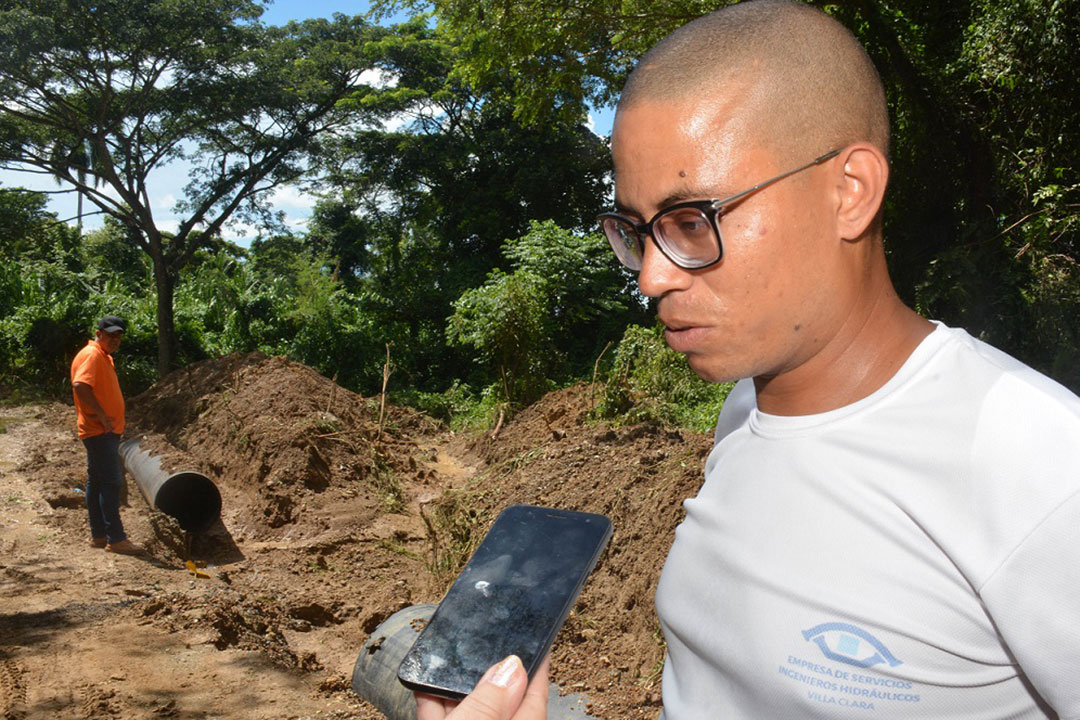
point(86, 371)
point(1034, 599)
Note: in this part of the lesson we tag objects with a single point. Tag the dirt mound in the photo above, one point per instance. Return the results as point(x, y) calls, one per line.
point(278, 436)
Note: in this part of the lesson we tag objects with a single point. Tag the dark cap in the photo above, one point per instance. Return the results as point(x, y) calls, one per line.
point(111, 324)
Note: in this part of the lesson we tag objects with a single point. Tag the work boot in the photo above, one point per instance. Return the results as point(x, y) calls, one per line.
point(98, 542)
point(124, 547)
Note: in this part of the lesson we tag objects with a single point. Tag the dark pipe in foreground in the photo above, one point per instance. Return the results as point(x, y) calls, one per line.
point(375, 671)
point(189, 496)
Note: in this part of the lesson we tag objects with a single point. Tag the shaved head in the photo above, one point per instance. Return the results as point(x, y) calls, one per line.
point(812, 86)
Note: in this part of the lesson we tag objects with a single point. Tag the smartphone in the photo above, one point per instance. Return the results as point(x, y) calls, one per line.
point(511, 599)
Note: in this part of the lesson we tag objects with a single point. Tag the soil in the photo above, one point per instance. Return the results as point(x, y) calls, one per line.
point(332, 521)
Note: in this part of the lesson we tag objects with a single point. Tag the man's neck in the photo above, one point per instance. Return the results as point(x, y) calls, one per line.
point(864, 354)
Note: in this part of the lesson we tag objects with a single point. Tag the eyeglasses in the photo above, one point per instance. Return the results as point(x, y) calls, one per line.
point(688, 233)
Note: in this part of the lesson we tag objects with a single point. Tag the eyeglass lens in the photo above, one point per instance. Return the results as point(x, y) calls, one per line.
point(625, 241)
point(685, 235)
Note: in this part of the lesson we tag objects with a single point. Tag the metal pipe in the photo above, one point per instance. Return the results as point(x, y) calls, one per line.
point(189, 496)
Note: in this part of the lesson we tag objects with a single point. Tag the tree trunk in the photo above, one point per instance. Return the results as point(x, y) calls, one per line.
point(163, 281)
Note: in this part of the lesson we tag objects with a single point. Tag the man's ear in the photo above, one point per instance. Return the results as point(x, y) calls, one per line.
point(861, 189)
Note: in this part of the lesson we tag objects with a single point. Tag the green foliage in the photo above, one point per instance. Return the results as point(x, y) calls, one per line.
point(1017, 64)
point(504, 320)
point(555, 55)
point(564, 297)
point(53, 295)
point(417, 212)
point(459, 405)
point(111, 253)
point(24, 220)
point(46, 326)
point(589, 298)
point(486, 143)
point(280, 303)
point(1053, 297)
point(100, 93)
point(650, 382)
point(983, 212)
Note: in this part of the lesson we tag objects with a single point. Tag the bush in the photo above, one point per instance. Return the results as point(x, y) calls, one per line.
point(458, 406)
point(650, 382)
point(505, 321)
point(547, 320)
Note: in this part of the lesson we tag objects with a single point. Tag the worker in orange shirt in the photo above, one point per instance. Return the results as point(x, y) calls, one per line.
point(100, 406)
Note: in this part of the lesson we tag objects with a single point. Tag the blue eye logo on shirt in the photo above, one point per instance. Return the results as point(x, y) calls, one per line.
point(850, 644)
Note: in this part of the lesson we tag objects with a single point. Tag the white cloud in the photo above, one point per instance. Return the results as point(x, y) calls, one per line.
point(169, 226)
point(287, 197)
point(164, 202)
point(378, 78)
point(297, 223)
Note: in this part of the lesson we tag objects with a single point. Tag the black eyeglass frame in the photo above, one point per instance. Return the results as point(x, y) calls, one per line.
point(710, 209)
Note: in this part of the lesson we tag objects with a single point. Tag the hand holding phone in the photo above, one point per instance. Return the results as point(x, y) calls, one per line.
point(501, 693)
point(511, 599)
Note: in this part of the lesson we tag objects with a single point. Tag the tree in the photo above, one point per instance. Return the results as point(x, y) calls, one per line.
point(418, 211)
point(983, 212)
point(504, 321)
point(557, 56)
point(144, 83)
point(588, 299)
point(553, 313)
point(24, 222)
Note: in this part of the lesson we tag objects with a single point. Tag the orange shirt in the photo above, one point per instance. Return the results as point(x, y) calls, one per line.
point(94, 366)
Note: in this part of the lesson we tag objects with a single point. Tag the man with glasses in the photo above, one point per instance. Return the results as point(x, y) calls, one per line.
point(888, 523)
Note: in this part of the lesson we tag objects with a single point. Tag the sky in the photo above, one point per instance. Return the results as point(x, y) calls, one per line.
point(166, 184)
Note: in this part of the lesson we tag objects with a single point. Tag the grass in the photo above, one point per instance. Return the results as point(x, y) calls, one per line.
point(319, 565)
point(650, 382)
point(657, 672)
point(398, 548)
point(456, 524)
point(386, 484)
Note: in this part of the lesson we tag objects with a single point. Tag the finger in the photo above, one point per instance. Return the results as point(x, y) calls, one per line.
point(534, 705)
point(497, 695)
point(429, 707)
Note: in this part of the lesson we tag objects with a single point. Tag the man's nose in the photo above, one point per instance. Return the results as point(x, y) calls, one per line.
point(658, 275)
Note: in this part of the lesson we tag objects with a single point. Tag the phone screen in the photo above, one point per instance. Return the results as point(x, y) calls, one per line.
point(511, 598)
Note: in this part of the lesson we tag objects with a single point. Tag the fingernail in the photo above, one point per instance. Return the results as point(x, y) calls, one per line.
point(502, 672)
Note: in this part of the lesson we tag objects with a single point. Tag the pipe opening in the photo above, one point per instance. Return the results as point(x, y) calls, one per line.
point(192, 498)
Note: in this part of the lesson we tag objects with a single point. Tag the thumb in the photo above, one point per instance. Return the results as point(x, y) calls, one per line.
point(497, 695)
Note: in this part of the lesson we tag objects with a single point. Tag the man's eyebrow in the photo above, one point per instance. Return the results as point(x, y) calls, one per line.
point(624, 209)
point(678, 196)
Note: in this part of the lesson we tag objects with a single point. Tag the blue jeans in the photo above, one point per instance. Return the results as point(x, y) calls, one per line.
point(104, 480)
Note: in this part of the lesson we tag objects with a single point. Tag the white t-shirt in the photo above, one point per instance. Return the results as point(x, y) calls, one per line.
point(913, 555)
